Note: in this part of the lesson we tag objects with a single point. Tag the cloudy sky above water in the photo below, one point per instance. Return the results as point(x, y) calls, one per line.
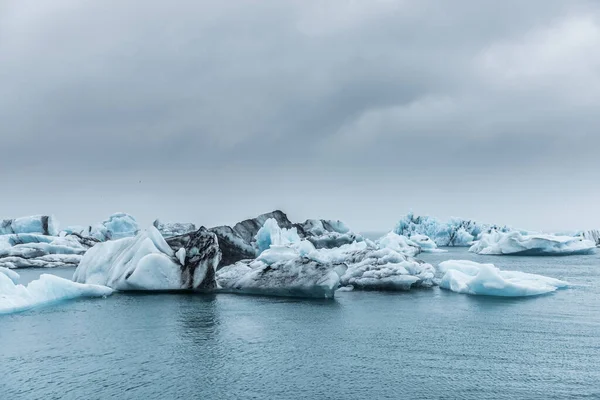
point(215, 111)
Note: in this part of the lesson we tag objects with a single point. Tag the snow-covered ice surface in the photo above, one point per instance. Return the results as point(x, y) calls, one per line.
point(514, 243)
point(169, 229)
point(454, 232)
point(469, 277)
point(45, 290)
point(148, 262)
point(40, 224)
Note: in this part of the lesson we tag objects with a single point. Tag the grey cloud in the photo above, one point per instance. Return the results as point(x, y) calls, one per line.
point(331, 96)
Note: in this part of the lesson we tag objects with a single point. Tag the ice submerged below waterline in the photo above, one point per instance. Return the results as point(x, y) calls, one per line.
point(47, 289)
point(469, 277)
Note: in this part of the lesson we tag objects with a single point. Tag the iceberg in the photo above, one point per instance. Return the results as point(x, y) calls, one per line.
point(328, 234)
point(514, 243)
point(117, 226)
point(148, 261)
point(12, 275)
point(455, 232)
point(427, 245)
point(468, 277)
point(271, 234)
point(169, 229)
point(30, 250)
point(37, 224)
point(385, 269)
point(593, 235)
point(295, 277)
point(45, 290)
point(398, 243)
point(360, 265)
point(242, 242)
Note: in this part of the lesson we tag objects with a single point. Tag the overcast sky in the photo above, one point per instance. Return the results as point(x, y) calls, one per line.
point(215, 111)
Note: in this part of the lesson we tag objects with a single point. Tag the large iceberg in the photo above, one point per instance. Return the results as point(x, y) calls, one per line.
point(35, 250)
point(149, 262)
point(381, 269)
point(514, 243)
point(295, 277)
point(37, 224)
point(169, 229)
point(455, 232)
point(45, 290)
point(469, 277)
point(298, 268)
point(242, 242)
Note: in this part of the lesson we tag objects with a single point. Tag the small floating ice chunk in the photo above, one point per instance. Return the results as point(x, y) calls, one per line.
point(468, 277)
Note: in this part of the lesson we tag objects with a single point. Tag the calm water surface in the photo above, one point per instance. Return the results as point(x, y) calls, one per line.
point(425, 344)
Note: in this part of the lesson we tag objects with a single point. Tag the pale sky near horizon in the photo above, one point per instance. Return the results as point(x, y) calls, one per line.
point(213, 112)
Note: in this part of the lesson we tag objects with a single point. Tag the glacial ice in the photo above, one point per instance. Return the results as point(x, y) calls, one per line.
point(514, 243)
point(37, 224)
point(398, 243)
point(12, 275)
point(328, 234)
point(271, 234)
point(149, 262)
point(34, 250)
point(385, 269)
point(241, 242)
point(427, 245)
point(117, 226)
point(169, 229)
point(468, 277)
point(593, 235)
point(45, 290)
point(455, 232)
point(296, 277)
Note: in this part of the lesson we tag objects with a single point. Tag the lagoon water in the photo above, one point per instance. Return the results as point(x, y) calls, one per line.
point(423, 344)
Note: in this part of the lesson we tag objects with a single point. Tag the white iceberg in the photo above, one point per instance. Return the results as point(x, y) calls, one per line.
point(39, 224)
point(270, 234)
point(593, 235)
point(514, 243)
point(12, 275)
point(427, 245)
point(468, 277)
point(399, 243)
point(45, 290)
point(149, 262)
point(117, 226)
point(385, 269)
point(454, 232)
point(30, 250)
